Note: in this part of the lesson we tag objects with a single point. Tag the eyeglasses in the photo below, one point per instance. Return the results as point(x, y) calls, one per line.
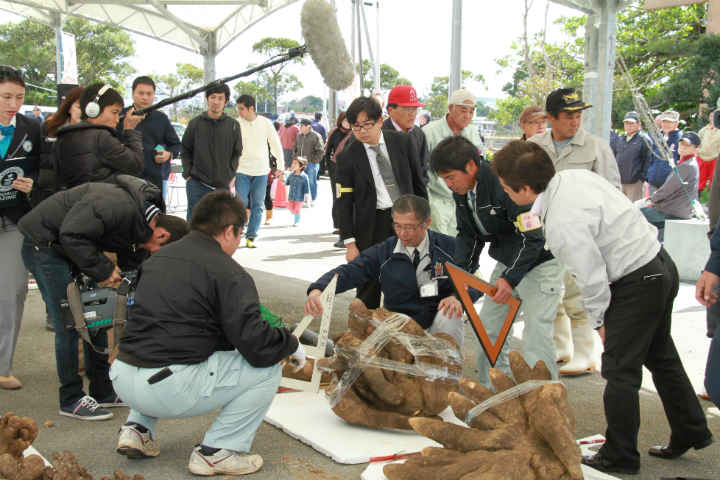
point(11, 73)
point(404, 228)
point(539, 122)
point(408, 109)
point(235, 227)
point(366, 126)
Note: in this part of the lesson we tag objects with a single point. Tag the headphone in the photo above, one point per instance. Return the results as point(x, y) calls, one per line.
point(93, 109)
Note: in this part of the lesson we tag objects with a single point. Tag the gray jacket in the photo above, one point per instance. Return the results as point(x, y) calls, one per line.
point(310, 146)
point(672, 198)
point(211, 150)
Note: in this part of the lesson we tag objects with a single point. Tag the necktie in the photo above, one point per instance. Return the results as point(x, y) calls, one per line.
point(472, 199)
point(416, 259)
point(386, 172)
point(7, 133)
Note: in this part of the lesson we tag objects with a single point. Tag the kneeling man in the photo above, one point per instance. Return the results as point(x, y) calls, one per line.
point(195, 342)
point(628, 284)
point(406, 265)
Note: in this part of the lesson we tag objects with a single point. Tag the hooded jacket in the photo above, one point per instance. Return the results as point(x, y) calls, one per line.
point(86, 152)
point(211, 150)
point(519, 251)
point(81, 223)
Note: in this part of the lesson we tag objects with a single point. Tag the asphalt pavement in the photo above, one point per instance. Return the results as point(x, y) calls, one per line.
point(285, 261)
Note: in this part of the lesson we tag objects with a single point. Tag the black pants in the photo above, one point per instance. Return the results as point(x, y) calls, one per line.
point(637, 333)
point(370, 292)
point(333, 187)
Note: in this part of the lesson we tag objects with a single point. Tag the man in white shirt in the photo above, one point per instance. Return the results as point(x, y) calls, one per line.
point(628, 284)
point(258, 135)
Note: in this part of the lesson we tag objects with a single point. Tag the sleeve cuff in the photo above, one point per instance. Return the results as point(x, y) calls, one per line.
point(349, 240)
point(595, 322)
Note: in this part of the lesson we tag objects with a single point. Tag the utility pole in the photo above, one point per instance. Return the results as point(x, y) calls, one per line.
point(456, 48)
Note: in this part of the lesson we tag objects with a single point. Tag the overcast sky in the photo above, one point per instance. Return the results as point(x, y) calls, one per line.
point(415, 37)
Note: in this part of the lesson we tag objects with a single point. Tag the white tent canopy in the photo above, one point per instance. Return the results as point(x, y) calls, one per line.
point(201, 26)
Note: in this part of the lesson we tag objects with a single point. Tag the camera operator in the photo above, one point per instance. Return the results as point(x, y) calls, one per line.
point(73, 228)
point(88, 151)
point(195, 341)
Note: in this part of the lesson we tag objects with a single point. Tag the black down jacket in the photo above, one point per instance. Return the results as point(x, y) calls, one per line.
point(81, 223)
point(86, 152)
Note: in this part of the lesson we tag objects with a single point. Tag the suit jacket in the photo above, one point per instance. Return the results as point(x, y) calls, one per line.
point(420, 142)
point(357, 196)
point(25, 143)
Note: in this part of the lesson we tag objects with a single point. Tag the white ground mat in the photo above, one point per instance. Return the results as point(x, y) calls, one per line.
point(308, 417)
point(375, 470)
point(31, 451)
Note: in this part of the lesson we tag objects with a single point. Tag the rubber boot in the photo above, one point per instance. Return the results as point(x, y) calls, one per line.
point(583, 360)
point(561, 336)
point(297, 219)
point(268, 217)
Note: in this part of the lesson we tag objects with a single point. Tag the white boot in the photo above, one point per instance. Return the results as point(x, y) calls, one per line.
point(561, 336)
point(583, 360)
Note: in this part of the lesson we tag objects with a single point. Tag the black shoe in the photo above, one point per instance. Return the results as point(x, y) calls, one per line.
point(601, 465)
point(86, 409)
point(339, 244)
point(48, 324)
point(674, 450)
point(112, 401)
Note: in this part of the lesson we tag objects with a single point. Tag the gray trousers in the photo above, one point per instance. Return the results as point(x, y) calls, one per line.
point(455, 327)
point(13, 290)
point(540, 292)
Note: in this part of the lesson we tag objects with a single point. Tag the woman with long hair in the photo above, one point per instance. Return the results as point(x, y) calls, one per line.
point(68, 113)
point(339, 137)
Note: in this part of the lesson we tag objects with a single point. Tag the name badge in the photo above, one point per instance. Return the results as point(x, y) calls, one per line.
point(527, 222)
point(429, 289)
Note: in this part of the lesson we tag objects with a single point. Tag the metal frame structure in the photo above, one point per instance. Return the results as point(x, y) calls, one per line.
point(205, 27)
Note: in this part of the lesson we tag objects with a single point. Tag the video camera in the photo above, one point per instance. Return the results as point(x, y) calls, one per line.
point(716, 118)
point(100, 306)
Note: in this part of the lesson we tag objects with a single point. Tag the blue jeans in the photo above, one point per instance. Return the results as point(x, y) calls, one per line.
point(312, 172)
point(225, 380)
point(657, 218)
point(255, 187)
point(53, 275)
point(195, 191)
point(712, 371)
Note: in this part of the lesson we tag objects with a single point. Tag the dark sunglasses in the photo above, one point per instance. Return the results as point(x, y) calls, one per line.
point(11, 73)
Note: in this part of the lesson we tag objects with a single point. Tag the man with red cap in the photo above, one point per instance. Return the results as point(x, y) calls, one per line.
point(402, 109)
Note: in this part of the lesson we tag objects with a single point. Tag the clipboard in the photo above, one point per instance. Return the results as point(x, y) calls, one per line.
point(10, 170)
point(459, 279)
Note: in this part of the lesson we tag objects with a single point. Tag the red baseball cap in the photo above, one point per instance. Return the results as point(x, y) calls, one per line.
point(404, 96)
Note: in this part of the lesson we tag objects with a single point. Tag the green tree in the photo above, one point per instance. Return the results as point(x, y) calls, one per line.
point(280, 81)
point(102, 52)
point(308, 104)
point(258, 92)
point(186, 77)
point(389, 77)
point(168, 84)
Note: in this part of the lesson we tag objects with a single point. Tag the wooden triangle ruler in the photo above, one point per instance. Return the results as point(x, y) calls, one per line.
point(461, 278)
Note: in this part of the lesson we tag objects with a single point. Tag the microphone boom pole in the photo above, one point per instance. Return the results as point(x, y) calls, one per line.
point(292, 53)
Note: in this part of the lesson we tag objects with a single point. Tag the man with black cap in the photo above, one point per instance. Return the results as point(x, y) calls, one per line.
point(402, 109)
point(70, 231)
point(633, 155)
point(673, 200)
point(532, 122)
point(310, 145)
point(571, 147)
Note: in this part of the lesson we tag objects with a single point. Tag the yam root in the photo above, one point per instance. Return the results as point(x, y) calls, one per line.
point(387, 397)
point(16, 434)
point(529, 437)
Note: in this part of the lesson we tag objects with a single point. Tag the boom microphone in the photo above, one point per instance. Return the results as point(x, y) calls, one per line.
point(325, 44)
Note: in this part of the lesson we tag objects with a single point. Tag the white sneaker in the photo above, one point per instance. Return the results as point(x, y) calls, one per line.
point(224, 462)
point(312, 204)
point(134, 444)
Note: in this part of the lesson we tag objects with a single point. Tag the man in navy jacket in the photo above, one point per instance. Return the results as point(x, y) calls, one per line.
point(407, 266)
point(157, 131)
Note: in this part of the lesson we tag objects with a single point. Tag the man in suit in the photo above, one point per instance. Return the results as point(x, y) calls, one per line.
point(371, 174)
point(402, 109)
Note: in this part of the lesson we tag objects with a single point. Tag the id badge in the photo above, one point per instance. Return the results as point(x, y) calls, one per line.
point(527, 222)
point(429, 289)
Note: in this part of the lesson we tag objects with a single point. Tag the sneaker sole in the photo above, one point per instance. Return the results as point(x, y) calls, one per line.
point(209, 471)
point(80, 417)
point(131, 452)
point(112, 405)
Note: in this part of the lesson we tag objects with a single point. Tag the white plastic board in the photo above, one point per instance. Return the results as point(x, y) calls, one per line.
point(375, 470)
point(308, 417)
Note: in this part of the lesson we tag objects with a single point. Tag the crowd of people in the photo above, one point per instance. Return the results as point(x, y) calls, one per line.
point(555, 208)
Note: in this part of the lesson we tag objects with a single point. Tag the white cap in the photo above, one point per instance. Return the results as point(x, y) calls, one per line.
point(459, 97)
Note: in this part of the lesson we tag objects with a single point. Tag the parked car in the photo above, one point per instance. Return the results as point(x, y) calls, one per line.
point(179, 129)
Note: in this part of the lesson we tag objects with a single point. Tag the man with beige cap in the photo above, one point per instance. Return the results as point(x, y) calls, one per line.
point(532, 122)
point(571, 147)
point(458, 122)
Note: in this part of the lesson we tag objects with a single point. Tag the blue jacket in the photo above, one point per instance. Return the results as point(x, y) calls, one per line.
point(397, 277)
point(320, 129)
point(299, 187)
point(660, 169)
point(633, 157)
